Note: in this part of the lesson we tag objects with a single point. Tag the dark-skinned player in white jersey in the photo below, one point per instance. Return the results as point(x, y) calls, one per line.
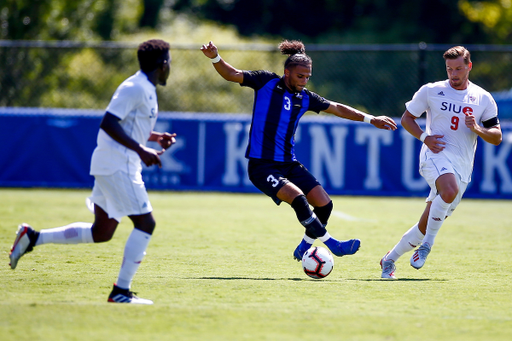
point(116, 166)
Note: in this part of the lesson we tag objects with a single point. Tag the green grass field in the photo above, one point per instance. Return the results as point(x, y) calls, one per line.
point(220, 267)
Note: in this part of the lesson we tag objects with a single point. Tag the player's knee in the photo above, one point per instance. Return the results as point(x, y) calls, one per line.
point(145, 223)
point(449, 195)
point(147, 226)
point(151, 227)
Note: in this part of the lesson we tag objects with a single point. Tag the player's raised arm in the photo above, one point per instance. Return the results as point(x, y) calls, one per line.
point(224, 69)
point(345, 111)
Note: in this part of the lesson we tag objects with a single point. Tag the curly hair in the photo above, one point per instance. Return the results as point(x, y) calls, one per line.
point(456, 52)
point(297, 53)
point(152, 53)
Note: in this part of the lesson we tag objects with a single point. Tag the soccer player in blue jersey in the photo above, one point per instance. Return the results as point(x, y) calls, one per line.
point(279, 103)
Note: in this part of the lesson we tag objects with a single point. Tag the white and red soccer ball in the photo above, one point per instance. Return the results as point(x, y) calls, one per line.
point(317, 262)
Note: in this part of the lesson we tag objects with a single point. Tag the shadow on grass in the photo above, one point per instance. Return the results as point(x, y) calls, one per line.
point(322, 280)
point(264, 279)
point(396, 280)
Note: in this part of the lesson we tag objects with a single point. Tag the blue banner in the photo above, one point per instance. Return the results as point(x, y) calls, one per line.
point(53, 147)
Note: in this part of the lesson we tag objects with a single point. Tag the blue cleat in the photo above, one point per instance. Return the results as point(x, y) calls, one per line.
point(343, 248)
point(300, 250)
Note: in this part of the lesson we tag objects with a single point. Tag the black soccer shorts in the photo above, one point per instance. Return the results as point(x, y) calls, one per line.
point(270, 176)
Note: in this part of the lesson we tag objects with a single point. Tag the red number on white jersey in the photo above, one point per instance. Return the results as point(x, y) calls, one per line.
point(455, 123)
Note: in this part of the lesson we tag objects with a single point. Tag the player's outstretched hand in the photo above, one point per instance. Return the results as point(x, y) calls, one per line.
point(210, 50)
point(384, 122)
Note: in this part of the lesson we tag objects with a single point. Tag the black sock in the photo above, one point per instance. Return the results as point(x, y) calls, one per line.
point(307, 218)
point(323, 213)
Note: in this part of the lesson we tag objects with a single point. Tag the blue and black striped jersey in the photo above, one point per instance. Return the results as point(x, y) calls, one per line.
point(276, 115)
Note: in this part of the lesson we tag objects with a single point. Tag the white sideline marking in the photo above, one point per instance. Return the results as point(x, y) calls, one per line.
point(348, 217)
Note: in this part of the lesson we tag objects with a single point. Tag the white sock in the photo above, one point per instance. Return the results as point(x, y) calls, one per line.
point(409, 241)
point(308, 239)
point(134, 252)
point(74, 233)
point(436, 216)
point(325, 237)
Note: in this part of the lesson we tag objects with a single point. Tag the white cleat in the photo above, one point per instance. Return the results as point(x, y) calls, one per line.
point(119, 295)
point(388, 268)
point(419, 257)
point(24, 242)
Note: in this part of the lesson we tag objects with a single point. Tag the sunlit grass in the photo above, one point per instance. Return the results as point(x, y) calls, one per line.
point(220, 267)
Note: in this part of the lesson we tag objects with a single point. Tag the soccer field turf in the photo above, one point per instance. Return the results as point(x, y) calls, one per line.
point(220, 267)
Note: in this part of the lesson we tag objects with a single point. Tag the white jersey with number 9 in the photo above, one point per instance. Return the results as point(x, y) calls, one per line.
point(446, 109)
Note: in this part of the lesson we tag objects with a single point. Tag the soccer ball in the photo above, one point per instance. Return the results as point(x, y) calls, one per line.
point(317, 262)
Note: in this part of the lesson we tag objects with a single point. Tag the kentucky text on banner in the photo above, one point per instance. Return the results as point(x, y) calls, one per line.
point(53, 147)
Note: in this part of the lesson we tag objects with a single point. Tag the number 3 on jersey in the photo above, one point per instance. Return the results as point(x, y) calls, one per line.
point(272, 180)
point(288, 103)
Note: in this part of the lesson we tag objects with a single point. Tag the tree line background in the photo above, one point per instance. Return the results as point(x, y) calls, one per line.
point(319, 21)
point(85, 76)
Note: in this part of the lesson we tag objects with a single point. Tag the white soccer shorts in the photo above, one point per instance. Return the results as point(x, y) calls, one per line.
point(120, 194)
point(433, 168)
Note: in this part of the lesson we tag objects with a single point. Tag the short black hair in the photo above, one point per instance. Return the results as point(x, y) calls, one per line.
point(152, 53)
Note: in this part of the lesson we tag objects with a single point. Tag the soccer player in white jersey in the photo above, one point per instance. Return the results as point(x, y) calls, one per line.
point(458, 111)
point(116, 166)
